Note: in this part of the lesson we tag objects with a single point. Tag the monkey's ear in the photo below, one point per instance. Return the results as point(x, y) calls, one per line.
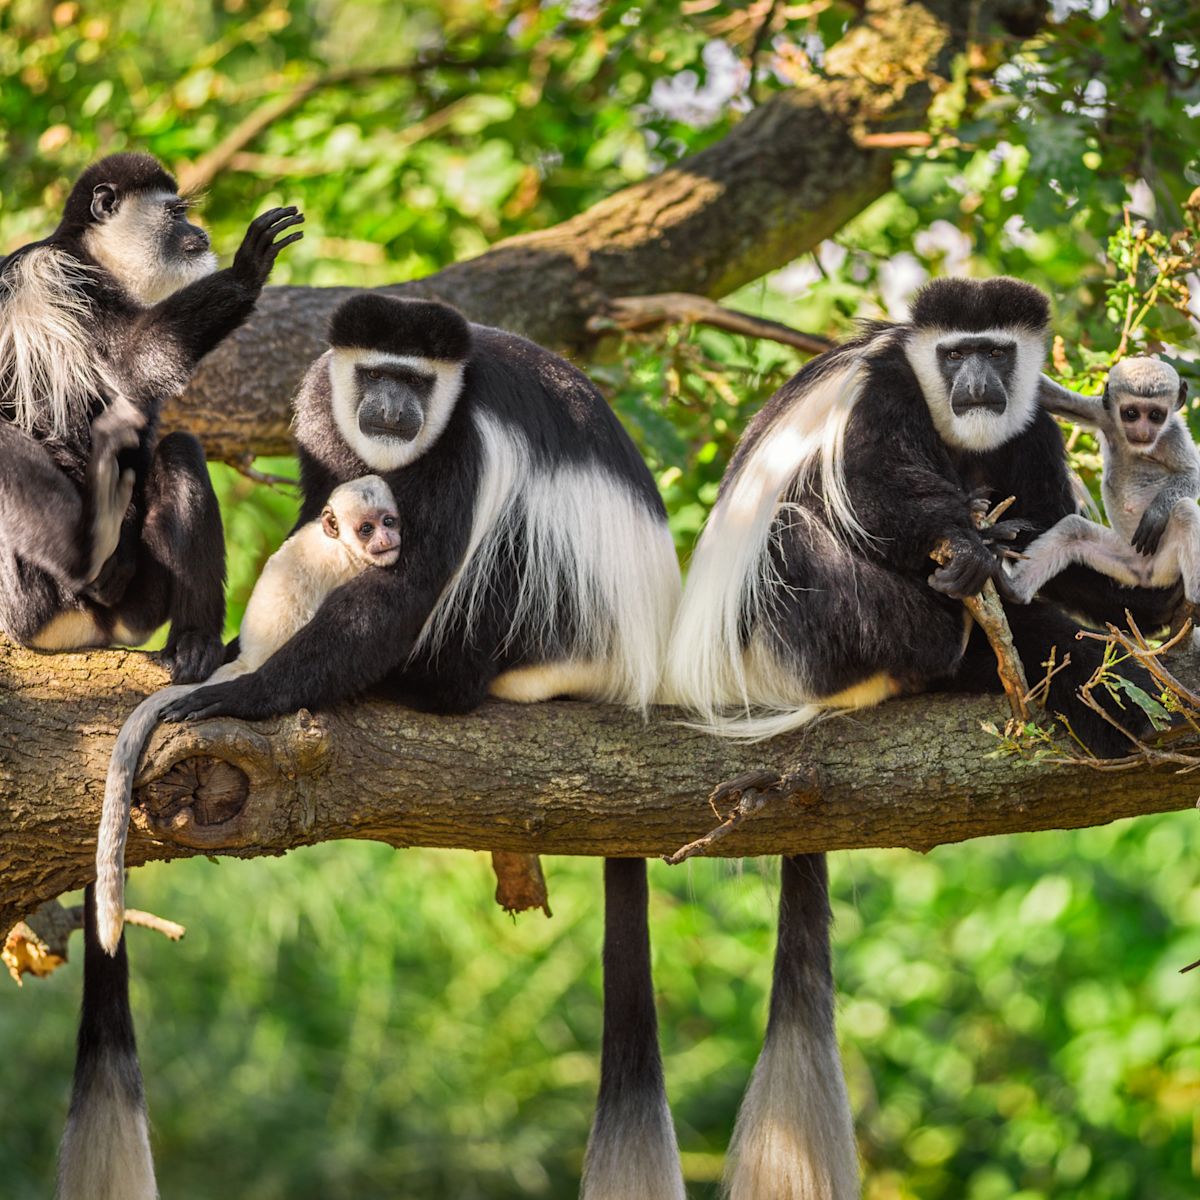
point(1182, 397)
point(104, 201)
point(329, 522)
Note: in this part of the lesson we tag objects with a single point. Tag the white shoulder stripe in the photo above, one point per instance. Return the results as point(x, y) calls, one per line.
point(49, 366)
point(729, 583)
point(583, 534)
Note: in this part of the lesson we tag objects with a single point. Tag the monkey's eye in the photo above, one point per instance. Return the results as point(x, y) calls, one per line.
point(366, 529)
point(997, 353)
point(178, 211)
point(374, 374)
point(1129, 414)
point(1157, 416)
point(954, 355)
point(388, 522)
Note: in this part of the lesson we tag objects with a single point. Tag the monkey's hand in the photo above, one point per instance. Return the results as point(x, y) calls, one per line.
point(191, 656)
point(1004, 531)
point(970, 566)
point(237, 698)
point(256, 255)
point(110, 489)
point(1148, 535)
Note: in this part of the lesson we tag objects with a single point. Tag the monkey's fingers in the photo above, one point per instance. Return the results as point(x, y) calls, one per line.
point(1004, 531)
point(961, 577)
point(213, 701)
point(265, 237)
point(1148, 535)
point(275, 247)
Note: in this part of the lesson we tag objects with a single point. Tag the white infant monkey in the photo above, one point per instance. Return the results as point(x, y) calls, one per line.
point(356, 530)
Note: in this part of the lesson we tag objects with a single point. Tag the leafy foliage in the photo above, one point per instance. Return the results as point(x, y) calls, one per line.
point(351, 1023)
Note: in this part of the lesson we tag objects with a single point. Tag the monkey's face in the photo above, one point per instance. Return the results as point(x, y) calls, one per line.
point(147, 242)
point(1140, 419)
point(362, 515)
point(980, 387)
point(391, 408)
point(1141, 394)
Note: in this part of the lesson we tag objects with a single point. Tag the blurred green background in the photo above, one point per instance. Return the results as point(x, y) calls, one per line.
point(355, 1022)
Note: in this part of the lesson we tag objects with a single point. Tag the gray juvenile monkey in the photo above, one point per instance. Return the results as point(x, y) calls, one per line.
point(1150, 485)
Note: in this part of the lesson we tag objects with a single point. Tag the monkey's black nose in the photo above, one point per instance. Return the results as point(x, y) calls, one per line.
point(195, 243)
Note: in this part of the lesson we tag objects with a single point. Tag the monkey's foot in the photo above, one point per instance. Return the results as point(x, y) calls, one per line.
point(191, 656)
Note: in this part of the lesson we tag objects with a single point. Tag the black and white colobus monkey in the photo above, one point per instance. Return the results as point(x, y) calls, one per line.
point(537, 563)
point(811, 589)
point(105, 531)
point(1150, 484)
point(105, 1152)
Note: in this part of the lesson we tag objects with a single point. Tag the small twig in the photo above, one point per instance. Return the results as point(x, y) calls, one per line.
point(245, 466)
point(171, 929)
point(761, 34)
point(520, 883)
point(753, 790)
point(684, 308)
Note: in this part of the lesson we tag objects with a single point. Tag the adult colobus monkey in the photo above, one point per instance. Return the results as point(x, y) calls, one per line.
point(105, 1152)
point(105, 531)
point(537, 563)
point(812, 589)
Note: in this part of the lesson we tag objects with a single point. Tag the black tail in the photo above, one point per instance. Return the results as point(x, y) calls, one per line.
point(631, 1154)
point(795, 1136)
point(105, 1151)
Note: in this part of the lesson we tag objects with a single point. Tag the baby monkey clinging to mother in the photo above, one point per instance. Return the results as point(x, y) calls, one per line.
point(1150, 485)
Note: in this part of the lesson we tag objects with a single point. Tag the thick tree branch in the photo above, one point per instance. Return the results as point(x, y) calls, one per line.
point(557, 778)
point(787, 177)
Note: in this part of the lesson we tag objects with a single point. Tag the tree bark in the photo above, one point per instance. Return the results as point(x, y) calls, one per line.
point(559, 778)
point(787, 177)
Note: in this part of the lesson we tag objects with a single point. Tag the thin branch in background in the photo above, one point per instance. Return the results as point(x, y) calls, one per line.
point(683, 308)
point(200, 174)
point(245, 466)
point(761, 34)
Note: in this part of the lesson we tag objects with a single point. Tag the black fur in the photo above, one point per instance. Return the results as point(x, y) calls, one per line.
point(425, 328)
point(973, 305)
point(364, 634)
point(127, 173)
point(105, 1020)
point(170, 563)
point(631, 1071)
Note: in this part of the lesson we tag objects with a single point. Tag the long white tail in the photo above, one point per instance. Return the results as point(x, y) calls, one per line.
point(114, 817)
point(105, 1150)
point(794, 1138)
point(632, 1153)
